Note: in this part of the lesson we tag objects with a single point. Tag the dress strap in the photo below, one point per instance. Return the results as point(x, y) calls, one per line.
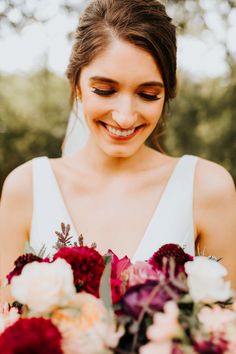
point(49, 210)
point(172, 221)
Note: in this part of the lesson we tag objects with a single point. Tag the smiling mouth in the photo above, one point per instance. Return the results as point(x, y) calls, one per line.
point(120, 133)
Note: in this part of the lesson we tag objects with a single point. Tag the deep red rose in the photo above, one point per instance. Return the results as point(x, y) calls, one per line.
point(31, 335)
point(117, 267)
point(21, 262)
point(211, 346)
point(87, 265)
point(167, 252)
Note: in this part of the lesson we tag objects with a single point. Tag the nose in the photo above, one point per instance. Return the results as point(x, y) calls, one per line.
point(125, 114)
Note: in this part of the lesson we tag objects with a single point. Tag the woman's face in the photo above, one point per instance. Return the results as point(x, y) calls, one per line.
point(122, 94)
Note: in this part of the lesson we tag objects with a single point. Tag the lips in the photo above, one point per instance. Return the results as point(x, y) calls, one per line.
point(120, 134)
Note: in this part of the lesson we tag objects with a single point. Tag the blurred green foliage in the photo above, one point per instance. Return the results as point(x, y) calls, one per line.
point(33, 117)
point(202, 121)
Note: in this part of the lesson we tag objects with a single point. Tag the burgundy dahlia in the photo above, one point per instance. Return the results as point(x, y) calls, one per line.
point(87, 265)
point(161, 258)
point(21, 262)
point(31, 335)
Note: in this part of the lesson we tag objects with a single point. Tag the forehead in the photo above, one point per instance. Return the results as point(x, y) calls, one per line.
point(125, 63)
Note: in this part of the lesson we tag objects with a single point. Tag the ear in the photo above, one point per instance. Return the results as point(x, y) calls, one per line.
point(78, 94)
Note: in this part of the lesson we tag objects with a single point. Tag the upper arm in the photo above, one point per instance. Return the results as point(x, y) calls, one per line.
point(216, 214)
point(15, 216)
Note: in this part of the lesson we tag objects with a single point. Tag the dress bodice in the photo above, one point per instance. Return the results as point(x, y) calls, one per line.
point(171, 222)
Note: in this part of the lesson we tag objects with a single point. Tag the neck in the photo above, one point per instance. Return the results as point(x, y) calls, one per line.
point(96, 160)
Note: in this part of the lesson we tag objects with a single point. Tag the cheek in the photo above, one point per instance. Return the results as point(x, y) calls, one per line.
point(153, 113)
point(92, 109)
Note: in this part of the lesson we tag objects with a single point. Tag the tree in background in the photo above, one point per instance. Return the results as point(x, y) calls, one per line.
point(202, 117)
point(33, 117)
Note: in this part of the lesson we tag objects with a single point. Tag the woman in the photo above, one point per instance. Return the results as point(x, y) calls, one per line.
point(116, 191)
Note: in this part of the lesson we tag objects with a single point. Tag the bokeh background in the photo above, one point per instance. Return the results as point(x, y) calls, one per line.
point(35, 43)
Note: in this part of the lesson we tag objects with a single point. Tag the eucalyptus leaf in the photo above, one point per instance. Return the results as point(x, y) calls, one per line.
point(105, 284)
point(186, 299)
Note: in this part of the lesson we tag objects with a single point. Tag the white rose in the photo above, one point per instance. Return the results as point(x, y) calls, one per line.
point(205, 280)
point(44, 286)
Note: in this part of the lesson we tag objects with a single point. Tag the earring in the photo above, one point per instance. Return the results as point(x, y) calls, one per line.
point(78, 95)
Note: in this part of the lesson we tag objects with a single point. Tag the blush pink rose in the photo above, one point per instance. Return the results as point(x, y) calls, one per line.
point(140, 272)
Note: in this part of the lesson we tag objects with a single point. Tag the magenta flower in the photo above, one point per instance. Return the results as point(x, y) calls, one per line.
point(118, 266)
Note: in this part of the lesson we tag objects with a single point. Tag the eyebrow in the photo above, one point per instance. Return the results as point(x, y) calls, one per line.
point(110, 81)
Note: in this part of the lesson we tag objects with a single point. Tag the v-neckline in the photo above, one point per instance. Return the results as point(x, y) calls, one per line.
point(158, 206)
point(154, 214)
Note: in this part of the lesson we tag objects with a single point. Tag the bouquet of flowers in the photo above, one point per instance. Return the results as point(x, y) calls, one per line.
point(81, 302)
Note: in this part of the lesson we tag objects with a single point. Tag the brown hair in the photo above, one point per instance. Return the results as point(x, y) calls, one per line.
point(143, 23)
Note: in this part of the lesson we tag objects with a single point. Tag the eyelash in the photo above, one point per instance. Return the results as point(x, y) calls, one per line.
point(110, 92)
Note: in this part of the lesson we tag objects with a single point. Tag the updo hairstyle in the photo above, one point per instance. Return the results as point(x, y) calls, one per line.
point(143, 23)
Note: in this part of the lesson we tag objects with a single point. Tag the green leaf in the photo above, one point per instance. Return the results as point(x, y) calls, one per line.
point(29, 249)
point(105, 284)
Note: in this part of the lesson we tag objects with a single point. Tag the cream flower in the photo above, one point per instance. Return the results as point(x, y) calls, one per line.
point(205, 280)
point(155, 348)
point(216, 319)
point(7, 317)
point(86, 326)
point(44, 286)
point(165, 325)
point(220, 320)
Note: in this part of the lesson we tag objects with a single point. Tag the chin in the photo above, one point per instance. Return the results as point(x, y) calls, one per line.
point(117, 152)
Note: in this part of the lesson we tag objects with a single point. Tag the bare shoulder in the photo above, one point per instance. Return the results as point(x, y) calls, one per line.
point(17, 199)
point(215, 211)
point(15, 214)
point(18, 183)
point(213, 182)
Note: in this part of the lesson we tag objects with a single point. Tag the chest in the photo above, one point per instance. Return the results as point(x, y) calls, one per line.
point(115, 215)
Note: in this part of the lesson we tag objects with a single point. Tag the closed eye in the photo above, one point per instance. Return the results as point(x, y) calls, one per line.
point(149, 97)
point(141, 94)
point(103, 92)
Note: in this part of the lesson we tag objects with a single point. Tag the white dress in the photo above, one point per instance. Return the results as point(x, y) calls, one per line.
point(172, 221)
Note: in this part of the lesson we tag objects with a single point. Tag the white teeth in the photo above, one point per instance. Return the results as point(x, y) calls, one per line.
point(119, 132)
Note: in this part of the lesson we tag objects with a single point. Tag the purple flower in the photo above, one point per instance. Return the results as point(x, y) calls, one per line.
point(151, 293)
